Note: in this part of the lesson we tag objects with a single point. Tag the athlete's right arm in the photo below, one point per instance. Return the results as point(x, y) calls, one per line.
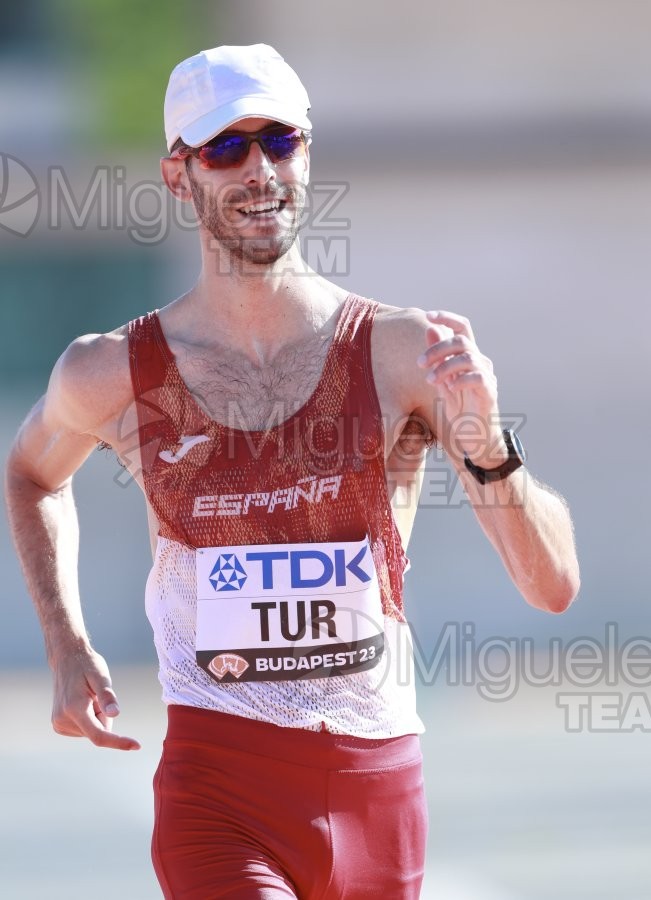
point(53, 442)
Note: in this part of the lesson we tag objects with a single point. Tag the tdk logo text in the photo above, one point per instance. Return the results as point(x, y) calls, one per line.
point(297, 569)
point(298, 561)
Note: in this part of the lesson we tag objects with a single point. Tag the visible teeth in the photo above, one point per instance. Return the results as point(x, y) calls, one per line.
point(268, 206)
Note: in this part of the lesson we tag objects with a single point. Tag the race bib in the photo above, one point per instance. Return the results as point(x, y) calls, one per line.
point(277, 612)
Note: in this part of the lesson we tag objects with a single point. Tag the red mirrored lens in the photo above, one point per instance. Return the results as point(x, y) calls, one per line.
point(231, 148)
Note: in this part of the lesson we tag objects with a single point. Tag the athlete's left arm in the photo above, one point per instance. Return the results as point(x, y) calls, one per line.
point(455, 391)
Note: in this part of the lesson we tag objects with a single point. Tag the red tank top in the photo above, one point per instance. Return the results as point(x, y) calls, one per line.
point(317, 476)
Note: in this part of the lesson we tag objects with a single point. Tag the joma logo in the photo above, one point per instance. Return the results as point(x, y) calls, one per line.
point(187, 442)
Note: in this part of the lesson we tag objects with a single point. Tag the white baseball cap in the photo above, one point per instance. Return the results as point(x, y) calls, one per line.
point(210, 91)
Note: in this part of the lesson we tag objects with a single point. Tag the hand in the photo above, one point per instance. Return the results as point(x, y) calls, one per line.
point(84, 701)
point(467, 387)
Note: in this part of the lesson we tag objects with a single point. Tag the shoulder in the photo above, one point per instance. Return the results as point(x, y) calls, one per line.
point(91, 379)
point(401, 323)
point(399, 337)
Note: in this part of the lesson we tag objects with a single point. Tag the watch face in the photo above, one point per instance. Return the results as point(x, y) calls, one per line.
point(517, 446)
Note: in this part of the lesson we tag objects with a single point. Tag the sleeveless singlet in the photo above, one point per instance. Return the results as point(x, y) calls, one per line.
point(313, 483)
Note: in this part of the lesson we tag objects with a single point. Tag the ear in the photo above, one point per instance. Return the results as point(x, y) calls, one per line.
point(175, 177)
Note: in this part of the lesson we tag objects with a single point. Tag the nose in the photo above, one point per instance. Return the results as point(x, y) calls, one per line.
point(257, 166)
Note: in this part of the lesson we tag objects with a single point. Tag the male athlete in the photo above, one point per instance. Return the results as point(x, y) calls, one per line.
point(277, 425)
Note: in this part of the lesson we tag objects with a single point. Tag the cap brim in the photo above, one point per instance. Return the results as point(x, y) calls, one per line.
point(217, 120)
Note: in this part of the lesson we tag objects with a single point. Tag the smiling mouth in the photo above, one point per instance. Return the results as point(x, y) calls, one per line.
point(263, 209)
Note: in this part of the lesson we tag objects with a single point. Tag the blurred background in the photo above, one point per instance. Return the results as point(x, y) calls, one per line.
point(491, 158)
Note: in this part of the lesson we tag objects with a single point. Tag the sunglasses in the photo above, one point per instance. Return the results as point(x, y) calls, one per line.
point(229, 149)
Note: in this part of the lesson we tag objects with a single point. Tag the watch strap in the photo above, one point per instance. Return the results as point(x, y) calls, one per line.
point(516, 459)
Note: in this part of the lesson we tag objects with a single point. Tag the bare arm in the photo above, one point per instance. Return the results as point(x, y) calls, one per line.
point(529, 525)
point(50, 446)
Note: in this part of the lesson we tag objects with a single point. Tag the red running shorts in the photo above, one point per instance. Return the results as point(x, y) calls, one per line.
point(250, 810)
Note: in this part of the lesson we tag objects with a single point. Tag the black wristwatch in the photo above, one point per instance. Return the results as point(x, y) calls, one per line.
point(517, 458)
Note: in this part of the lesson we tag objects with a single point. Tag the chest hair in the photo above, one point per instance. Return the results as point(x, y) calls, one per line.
point(238, 393)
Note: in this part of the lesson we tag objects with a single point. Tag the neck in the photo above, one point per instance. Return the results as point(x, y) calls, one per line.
point(256, 309)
